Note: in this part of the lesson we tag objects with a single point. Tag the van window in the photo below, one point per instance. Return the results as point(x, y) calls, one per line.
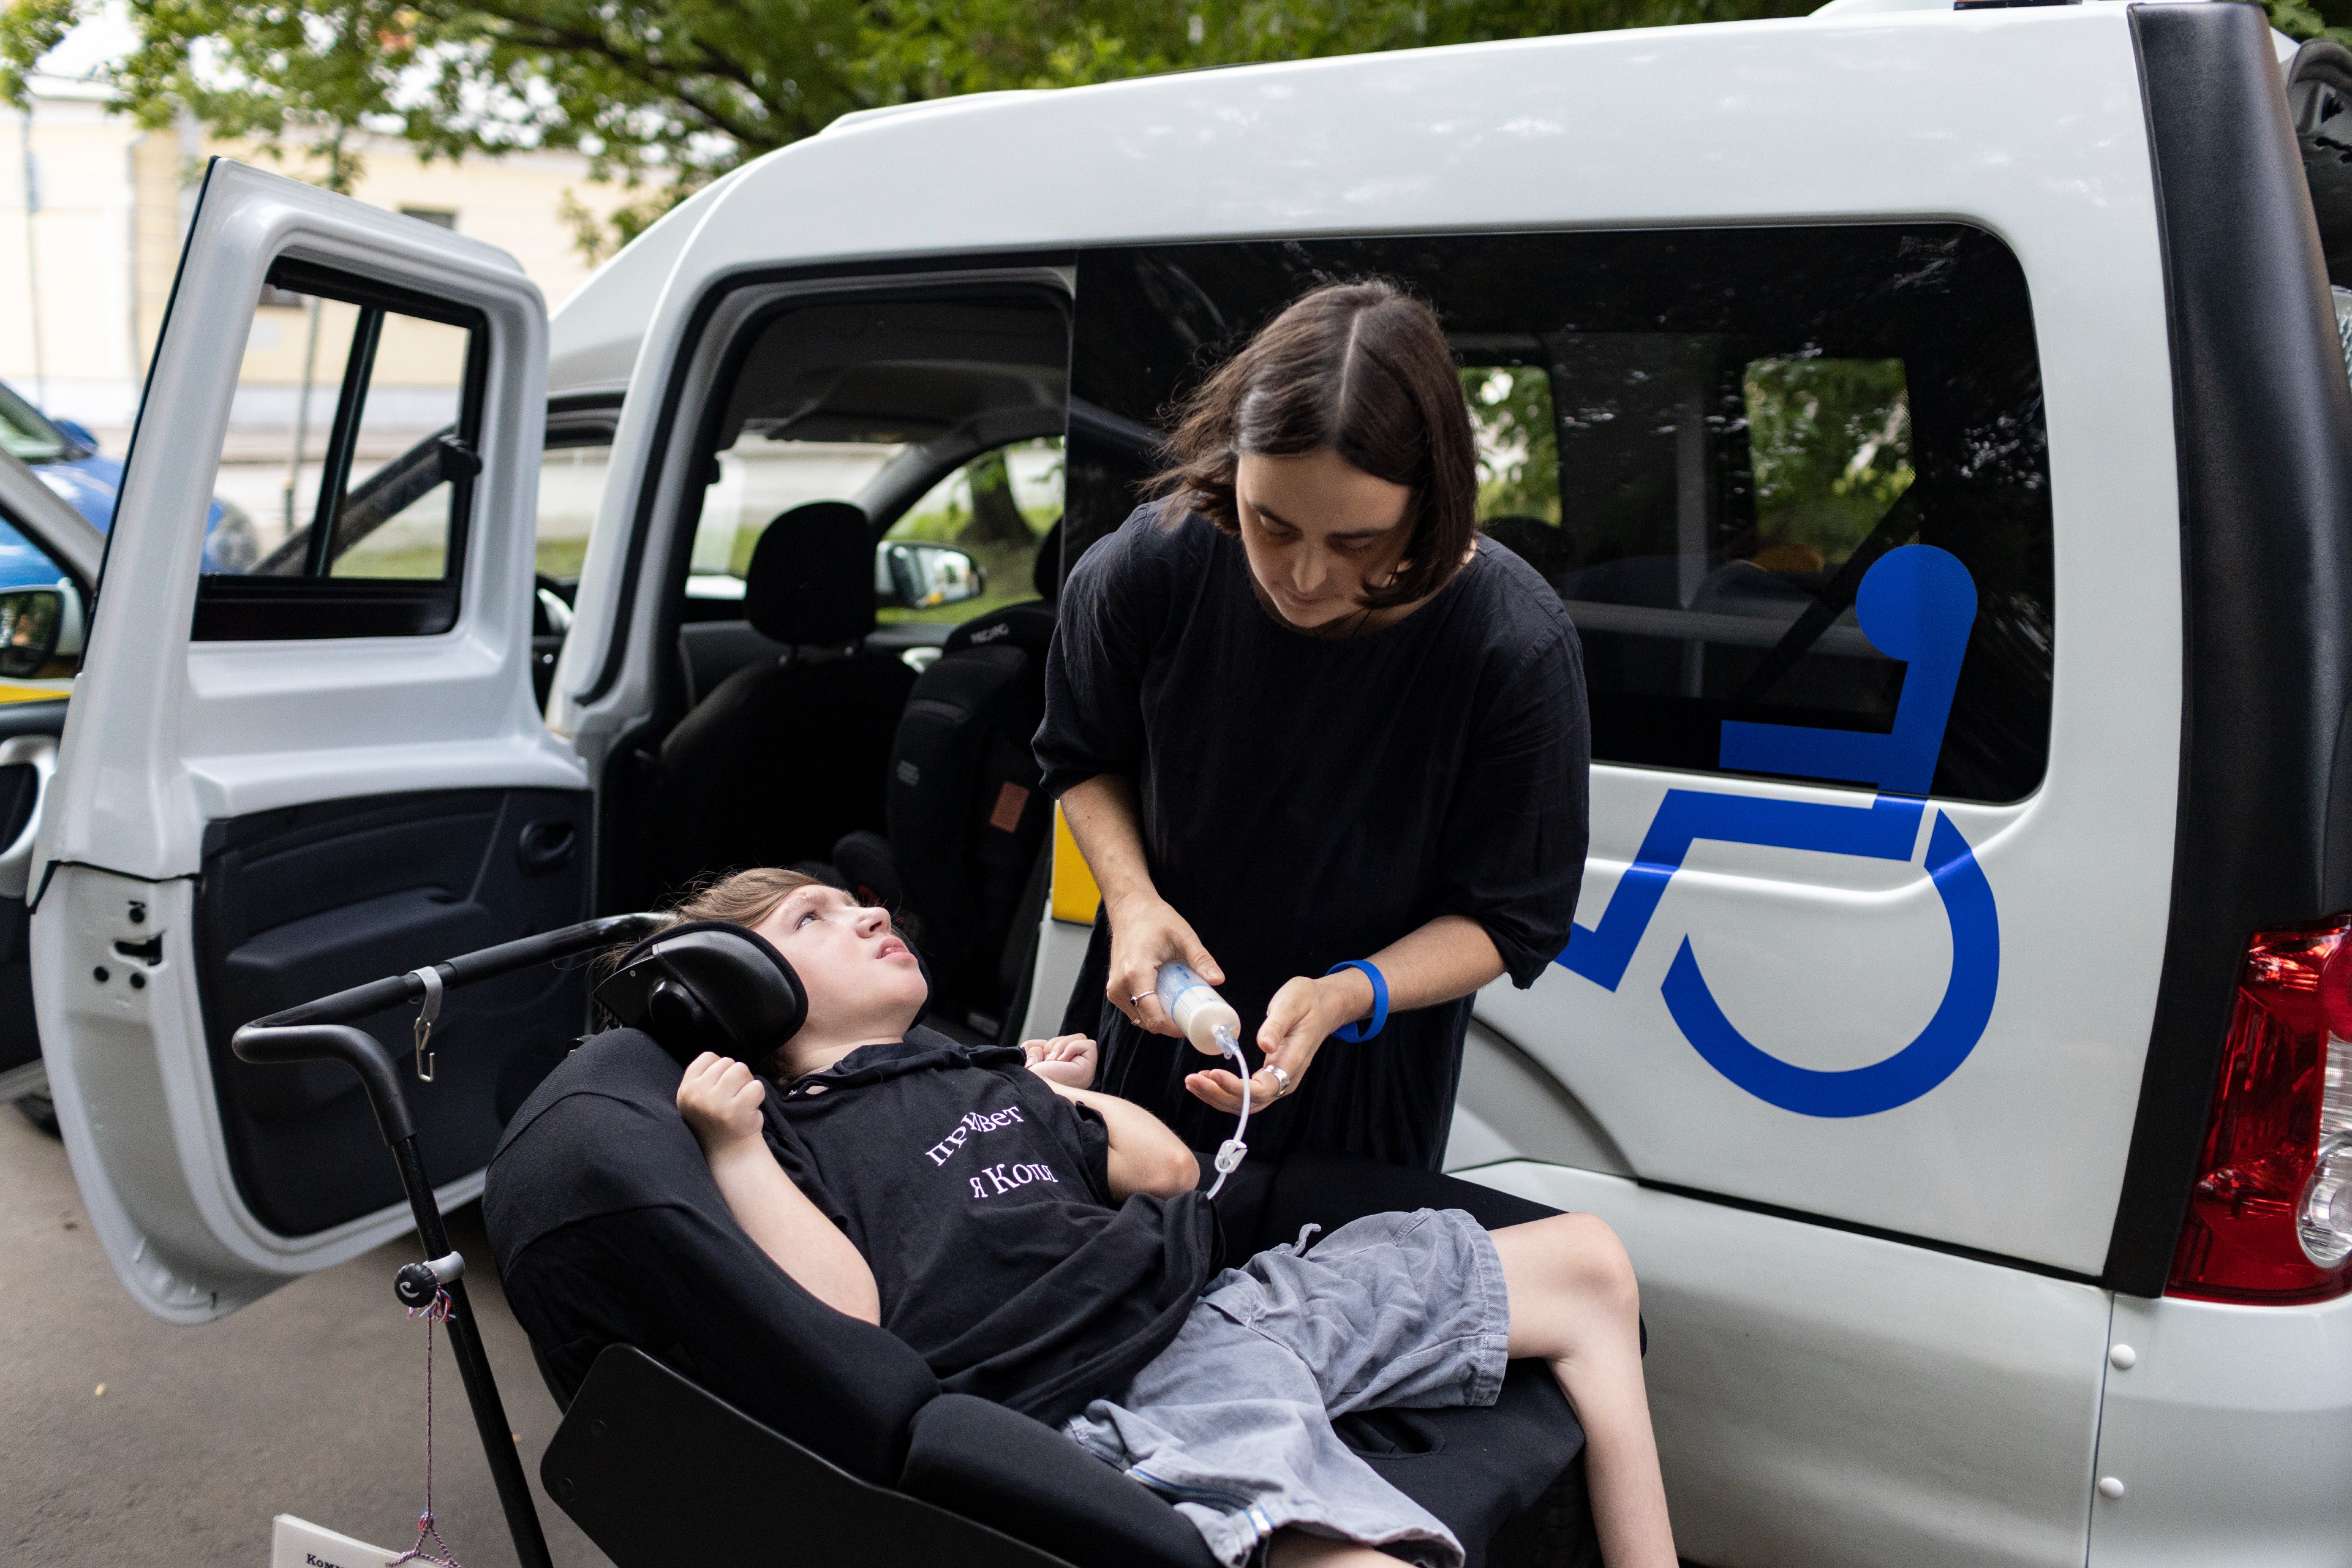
point(757, 481)
point(367, 400)
point(1702, 439)
point(572, 469)
point(997, 508)
point(912, 410)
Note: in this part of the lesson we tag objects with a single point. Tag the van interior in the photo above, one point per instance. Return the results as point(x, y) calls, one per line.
point(860, 615)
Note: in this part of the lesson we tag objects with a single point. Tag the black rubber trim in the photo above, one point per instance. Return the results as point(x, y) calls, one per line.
point(940, 269)
point(2264, 428)
point(1876, 1233)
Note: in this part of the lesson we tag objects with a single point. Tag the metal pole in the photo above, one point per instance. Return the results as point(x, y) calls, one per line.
point(33, 258)
point(474, 1368)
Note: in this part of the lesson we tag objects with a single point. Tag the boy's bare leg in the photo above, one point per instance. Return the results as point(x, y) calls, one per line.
point(1574, 1304)
point(1296, 1548)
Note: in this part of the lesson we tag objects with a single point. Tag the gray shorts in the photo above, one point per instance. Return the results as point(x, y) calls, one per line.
point(1232, 1423)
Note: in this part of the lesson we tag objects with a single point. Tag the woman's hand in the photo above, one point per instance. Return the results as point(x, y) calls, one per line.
point(1298, 1021)
point(1146, 932)
point(720, 1097)
point(1065, 1059)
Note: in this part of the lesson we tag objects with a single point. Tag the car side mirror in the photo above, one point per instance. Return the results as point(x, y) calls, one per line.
point(77, 432)
point(32, 623)
point(921, 576)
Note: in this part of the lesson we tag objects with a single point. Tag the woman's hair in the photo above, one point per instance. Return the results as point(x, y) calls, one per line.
point(1362, 368)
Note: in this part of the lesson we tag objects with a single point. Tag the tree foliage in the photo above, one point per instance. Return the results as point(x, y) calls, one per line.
point(664, 95)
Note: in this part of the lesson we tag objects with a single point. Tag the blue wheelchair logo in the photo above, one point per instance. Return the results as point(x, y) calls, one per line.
point(1917, 604)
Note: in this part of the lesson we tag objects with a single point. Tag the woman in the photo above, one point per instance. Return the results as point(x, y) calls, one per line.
point(1319, 739)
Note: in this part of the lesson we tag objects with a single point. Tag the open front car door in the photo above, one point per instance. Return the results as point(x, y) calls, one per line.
point(315, 767)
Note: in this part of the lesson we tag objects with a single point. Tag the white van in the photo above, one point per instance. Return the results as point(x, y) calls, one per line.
point(1948, 1032)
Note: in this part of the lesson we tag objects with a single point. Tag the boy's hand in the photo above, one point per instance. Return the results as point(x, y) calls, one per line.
point(1065, 1059)
point(720, 1097)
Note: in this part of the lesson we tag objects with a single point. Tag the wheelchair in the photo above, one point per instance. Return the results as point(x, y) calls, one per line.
point(656, 1470)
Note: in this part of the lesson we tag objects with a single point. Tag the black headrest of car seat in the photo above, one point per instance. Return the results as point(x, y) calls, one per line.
point(811, 581)
point(709, 985)
point(1028, 625)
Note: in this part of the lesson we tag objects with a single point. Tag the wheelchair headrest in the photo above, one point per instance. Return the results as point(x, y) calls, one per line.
point(709, 985)
point(811, 581)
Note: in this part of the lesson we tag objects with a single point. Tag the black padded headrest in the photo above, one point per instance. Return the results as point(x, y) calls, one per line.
point(1028, 625)
point(811, 581)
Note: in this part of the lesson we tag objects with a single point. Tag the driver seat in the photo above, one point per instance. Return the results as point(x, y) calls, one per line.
point(789, 754)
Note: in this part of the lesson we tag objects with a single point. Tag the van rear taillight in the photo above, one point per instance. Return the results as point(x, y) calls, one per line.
point(2270, 1218)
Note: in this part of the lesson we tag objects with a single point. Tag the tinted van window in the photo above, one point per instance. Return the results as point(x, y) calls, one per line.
point(1702, 439)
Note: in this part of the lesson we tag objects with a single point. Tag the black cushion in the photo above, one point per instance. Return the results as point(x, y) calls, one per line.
point(999, 1468)
point(658, 1473)
point(608, 1229)
point(811, 581)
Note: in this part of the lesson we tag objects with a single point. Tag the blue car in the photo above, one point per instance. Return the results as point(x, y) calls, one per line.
point(67, 459)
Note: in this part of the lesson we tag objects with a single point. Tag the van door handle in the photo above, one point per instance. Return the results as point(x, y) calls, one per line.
point(38, 752)
point(545, 845)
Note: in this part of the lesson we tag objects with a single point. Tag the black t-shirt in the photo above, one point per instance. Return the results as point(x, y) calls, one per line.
point(609, 1229)
point(982, 1201)
point(1307, 800)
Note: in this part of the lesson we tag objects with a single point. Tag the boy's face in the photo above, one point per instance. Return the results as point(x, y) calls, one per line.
point(862, 982)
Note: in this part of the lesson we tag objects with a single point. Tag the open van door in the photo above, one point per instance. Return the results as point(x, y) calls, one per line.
point(325, 767)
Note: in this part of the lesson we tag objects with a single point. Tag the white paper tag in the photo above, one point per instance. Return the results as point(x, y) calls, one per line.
point(298, 1544)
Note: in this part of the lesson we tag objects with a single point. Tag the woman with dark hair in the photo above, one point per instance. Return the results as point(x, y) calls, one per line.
point(1318, 740)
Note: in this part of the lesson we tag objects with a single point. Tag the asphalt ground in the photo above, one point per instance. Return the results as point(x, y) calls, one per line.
point(126, 1440)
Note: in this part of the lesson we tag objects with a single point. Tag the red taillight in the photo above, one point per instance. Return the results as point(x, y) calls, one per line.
point(2241, 1240)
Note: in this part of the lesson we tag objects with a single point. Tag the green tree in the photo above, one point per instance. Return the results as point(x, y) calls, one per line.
point(665, 94)
point(2313, 19)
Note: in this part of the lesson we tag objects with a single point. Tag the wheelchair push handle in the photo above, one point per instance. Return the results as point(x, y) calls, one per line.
point(355, 1048)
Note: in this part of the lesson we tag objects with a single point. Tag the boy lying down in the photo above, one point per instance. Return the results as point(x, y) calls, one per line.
point(1044, 1244)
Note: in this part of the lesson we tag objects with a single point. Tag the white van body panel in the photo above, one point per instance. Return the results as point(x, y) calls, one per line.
point(2229, 1429)
point(168, 734)
point(2026, 122)
point(593, 336)
point(1922, 1409)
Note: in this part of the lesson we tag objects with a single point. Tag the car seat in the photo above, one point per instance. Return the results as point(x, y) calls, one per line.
point(787, 755)
point(967, 819)
point(839, 1446)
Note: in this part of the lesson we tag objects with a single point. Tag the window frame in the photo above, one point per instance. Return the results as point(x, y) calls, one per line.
point(235, 607)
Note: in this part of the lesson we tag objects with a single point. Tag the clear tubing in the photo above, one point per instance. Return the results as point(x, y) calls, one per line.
point(1211, 1027)
point(1230, 1153)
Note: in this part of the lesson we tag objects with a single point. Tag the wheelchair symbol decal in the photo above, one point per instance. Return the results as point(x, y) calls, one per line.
point(1917, 604)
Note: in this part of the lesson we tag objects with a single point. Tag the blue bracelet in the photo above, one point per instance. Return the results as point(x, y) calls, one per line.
point(1360, 1030)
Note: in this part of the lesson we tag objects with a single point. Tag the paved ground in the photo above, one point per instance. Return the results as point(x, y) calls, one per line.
point(127, 1441)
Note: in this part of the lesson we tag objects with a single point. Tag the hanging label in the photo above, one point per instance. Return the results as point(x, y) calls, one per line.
point(297, 1543)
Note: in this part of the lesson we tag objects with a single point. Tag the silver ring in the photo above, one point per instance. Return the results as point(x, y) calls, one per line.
point(1136, 997)
point(1282, 1078)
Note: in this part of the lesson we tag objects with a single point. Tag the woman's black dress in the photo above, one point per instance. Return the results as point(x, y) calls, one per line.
point(1307, 800)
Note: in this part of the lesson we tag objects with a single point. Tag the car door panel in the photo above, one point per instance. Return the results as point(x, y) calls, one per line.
point(299, 902)
point(244, 821)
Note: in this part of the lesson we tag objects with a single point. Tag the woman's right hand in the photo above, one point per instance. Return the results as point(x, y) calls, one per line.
point(1145, 933)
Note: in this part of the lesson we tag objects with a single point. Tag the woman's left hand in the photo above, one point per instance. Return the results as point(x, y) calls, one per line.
point(1298, 1021)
